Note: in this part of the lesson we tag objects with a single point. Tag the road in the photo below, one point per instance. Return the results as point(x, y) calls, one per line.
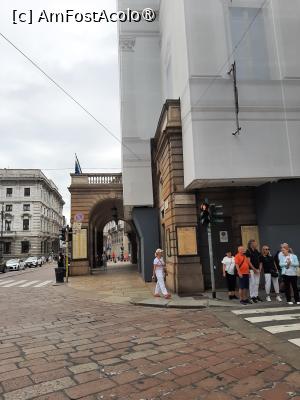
point(59, 343)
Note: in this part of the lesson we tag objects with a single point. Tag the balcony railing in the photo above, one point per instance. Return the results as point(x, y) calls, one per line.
point(97, 179)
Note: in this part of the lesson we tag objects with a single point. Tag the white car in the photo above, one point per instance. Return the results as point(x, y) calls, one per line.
point(15, 264)
point(32, 262)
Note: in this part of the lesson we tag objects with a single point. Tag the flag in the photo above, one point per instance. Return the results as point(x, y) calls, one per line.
point(78, 170)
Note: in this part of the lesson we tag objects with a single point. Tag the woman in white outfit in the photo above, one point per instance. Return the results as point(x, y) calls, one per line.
point(268, 266)
point(159, 271)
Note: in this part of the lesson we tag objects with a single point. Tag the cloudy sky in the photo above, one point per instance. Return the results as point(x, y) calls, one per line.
point(40, 127)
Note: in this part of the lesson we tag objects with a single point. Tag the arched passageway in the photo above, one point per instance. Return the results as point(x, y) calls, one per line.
point(103, 212)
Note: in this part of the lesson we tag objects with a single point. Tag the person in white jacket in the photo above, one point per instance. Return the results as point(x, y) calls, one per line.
point(289, 263)
point(159, 271)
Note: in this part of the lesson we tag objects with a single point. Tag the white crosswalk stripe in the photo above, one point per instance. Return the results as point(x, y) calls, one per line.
point(265, 310)
point(42, 284)
point(14, 283)
point(282, 328)
point(270, 318)
point(6, 281)
point(29, 283)
point(24, 283)
point(284, 317)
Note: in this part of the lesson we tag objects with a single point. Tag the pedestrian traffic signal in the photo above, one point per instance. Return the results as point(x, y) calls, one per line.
point(204, 215)
point(216, 212)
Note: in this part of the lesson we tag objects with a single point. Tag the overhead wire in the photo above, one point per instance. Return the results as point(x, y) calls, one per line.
point(61, 88)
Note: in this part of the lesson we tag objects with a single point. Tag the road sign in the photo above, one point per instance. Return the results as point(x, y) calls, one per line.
point(79, 217)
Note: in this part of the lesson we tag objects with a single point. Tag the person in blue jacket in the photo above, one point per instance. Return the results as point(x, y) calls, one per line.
point(289, 263)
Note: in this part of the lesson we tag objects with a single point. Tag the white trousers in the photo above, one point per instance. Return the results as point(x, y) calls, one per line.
point(160, 284)
point(253, 283)
point(268, 279)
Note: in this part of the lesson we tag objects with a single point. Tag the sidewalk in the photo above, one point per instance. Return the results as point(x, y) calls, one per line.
point(122, 284)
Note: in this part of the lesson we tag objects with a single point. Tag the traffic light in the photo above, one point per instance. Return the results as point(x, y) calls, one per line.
point(62, 234)
point(204, 215)
point(216, 212)
point(70, 235)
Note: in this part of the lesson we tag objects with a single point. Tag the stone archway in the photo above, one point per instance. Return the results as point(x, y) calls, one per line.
point(93, 197)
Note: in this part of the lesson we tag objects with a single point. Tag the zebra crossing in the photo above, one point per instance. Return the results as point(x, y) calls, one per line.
point(23, 283)
point(280, 321)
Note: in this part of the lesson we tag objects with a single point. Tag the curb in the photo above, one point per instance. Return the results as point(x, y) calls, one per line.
point(179, 306)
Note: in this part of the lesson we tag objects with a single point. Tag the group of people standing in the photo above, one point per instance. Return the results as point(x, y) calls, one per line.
point(248, 265)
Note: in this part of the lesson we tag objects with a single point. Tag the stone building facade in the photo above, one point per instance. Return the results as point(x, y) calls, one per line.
point(177, 207)
point(32, 213)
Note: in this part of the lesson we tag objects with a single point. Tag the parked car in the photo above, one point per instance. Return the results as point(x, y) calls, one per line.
point(15, 264)
point(32, 262)
point(3, 268)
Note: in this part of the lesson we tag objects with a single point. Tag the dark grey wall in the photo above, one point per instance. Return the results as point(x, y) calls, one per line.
point(278, 214)
point(146, 222)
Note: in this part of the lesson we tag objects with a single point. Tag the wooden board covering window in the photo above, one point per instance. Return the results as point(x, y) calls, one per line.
point(186, 241)
point(249, 232)
point(80, 245)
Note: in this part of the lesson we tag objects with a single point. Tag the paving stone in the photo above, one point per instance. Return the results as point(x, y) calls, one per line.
point(16, 383)
point(280, 391)
point(30, 392)
point(14, 374)
point(78, 369)
point(87, 376)
point(50, 375)
point(92, 387)
point(139, 354)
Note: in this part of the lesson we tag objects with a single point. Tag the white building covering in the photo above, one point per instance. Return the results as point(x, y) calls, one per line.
point(186, 53)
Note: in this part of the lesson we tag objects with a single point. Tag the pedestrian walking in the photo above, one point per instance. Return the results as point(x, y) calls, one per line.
point(271, 272)
point(159, 271)
point(104, 261)
point(289, 264)
point(242, 264)
point(229, 273)
point(253, 254)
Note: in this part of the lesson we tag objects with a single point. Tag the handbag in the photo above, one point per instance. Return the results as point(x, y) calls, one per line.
point(274, 273)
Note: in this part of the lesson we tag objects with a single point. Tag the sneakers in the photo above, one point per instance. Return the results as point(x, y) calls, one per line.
point(268, 298)
point(254, 300)
point(258, 298)
point(167, 296)
point(244, 302)
point(278, 298)
point(290, 302)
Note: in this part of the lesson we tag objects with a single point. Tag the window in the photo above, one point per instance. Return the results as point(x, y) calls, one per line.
point(25, 245)
point(7, 225)
point(252, 54)
point(7, 247)
point(26, 207)
point(26, 224)
point(8, 207)
point(26, 192)
point(9, 192)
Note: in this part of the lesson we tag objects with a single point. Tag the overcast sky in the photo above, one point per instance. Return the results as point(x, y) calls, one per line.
point(39, 126)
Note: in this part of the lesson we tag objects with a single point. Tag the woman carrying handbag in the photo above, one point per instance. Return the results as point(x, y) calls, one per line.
point(269, 267)
point(159, 271)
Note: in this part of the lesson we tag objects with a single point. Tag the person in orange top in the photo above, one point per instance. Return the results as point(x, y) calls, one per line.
point(242, 264)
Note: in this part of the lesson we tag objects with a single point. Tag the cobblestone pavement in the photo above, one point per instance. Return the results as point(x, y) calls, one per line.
point(59, 343)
